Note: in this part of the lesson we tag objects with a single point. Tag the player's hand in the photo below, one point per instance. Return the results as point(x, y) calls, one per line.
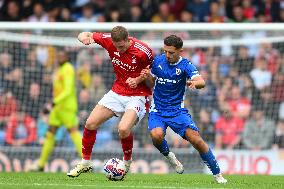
point(191, 84)
point(86, 38)
point(132, 82)
point(145, 72)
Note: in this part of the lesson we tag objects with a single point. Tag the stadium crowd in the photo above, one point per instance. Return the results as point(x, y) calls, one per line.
point(142, 10)
point(241, 107)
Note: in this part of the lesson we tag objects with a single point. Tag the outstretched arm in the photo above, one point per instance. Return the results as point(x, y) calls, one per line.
point(196, 83)
point(86, 38)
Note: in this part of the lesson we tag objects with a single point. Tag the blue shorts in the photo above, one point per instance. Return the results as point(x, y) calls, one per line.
point(178, 123)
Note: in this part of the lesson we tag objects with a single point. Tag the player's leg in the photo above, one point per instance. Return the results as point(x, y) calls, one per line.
point(205, 152)
point(157, 128)
point(49, 141)
point(48, 146)
point(70, 122)
point(125, 125)
point(99, 115)
point(135, 110)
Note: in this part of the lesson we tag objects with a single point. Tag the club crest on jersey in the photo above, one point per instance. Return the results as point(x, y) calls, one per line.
point(133, 60)
point(178, 71)
point(117, 54)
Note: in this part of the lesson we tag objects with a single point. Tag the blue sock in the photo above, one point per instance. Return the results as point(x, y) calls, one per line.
point(211, 162)
point(163, 147)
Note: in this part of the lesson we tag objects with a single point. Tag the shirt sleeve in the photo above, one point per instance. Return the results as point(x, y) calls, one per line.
point(103, 39)
point(154, 68)
point(68, 85)
point(191, 71)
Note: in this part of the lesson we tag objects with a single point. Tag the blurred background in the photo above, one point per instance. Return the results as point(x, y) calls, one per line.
point(240, 112)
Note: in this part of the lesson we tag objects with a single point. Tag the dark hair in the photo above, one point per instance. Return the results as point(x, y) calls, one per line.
point(119, 33)
point(173, 40)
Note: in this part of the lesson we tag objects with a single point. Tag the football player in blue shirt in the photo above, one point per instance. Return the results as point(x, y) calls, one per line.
point(171, 74)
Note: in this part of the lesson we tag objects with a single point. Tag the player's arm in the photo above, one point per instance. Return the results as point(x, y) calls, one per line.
point(196, 82)
point(149, 79)
point(68, 85)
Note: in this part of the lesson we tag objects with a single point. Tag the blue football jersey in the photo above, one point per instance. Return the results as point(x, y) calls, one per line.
point(170, 85)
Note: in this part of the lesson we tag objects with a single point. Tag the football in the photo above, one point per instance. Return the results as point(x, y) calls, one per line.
point(114, 169)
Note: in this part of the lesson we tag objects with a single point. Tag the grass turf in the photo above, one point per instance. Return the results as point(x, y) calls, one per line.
point(139, 181)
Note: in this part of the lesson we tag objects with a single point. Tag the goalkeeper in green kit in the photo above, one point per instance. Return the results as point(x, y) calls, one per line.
point(64, 110)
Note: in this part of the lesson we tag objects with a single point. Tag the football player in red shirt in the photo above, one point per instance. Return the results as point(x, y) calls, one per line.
point(127, 98)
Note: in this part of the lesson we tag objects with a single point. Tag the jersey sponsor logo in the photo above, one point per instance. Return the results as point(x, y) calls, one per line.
point(117, 54)
point(178, 71)
point(122, 65)
point(165, 80)
point(106, 35)
point(144, 49)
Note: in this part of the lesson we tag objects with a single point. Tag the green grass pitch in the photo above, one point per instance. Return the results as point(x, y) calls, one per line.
point(139, 181)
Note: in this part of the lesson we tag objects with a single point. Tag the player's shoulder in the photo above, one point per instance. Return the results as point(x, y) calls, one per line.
point(142, 47)
point(160, 59)
point(186, 62)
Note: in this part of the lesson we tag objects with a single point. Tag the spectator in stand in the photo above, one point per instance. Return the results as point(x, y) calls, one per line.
point(21, 129)
point(98, 88)
point(88, 14)
point(177, 7)
point(259, 130)
point(206, 126)
point(228, 129)
point(34, 101)
point(249, 10)
point(214, 15)
point(84, 75)
point(163, 14)
point(39, 15)
point(186, 16)
point(239, 104)
point(85, 105)
point(114, 15)
point(11, 12)
point(136, 14)
point(53, 13)
point(8, 106)
point(261, 76)
point(243, 62)
point(279, 135)
point(65, 15)
point(199, 8)
point(238, 15)
point(6, 67)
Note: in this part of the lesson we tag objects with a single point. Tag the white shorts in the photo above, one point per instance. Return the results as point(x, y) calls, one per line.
point(119, 104)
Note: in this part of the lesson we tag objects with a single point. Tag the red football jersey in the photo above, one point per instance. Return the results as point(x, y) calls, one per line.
point(127, 64)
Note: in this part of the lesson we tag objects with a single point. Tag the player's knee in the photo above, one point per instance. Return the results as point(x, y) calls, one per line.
point(90, 124)
point(123, 132)
point(52, 129)
point(157, 135)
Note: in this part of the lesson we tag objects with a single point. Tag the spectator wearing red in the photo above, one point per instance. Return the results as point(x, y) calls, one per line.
point(8, 106)
point(248, 10)
point(21, 130)
point(228, 130)
point(239, 104)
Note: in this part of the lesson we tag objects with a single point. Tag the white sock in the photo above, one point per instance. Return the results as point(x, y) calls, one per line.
point(84, 161)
